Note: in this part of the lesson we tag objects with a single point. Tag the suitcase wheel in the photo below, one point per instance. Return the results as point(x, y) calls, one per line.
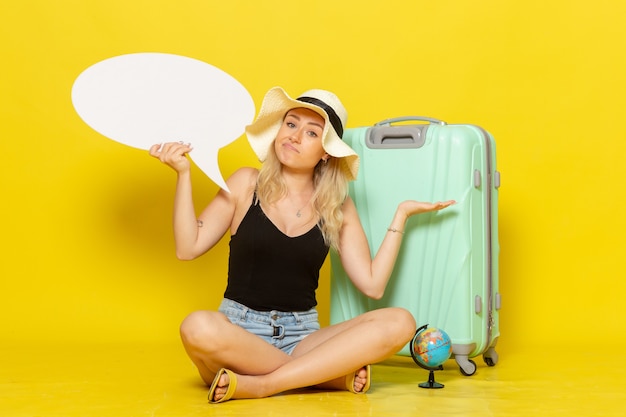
point(466, 366)
point(490, 357)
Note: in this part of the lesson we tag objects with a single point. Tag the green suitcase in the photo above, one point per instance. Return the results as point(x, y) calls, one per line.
point(447, 270)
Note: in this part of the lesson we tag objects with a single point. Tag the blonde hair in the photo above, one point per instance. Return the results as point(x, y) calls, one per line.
point(330, 191)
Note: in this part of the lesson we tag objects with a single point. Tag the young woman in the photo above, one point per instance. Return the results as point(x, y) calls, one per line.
point(283, 219)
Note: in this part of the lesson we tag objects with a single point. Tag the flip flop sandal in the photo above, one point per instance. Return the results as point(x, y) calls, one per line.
point(350, 381)
point(230, 391)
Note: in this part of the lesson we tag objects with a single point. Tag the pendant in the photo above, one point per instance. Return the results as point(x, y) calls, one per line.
point(298, 214)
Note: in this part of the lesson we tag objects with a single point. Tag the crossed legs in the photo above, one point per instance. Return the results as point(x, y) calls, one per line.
point(322, 359)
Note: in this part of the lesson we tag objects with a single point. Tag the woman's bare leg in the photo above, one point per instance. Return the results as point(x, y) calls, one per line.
point(213, 342)
point(328, 355)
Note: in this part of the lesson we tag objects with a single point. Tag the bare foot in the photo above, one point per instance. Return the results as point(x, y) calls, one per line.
point(222, 387)
point(360, 379)
point(231, 385)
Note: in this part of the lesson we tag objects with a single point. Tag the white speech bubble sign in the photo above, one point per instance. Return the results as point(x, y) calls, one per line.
point(143, 99)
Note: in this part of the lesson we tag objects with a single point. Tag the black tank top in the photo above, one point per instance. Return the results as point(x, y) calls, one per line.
point(268, 270)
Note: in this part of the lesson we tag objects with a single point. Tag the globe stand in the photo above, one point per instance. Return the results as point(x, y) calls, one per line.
point(431, 383)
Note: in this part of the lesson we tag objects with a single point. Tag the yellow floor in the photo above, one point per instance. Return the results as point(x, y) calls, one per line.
point(155, 380)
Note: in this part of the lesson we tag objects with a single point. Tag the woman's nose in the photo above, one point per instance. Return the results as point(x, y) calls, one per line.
point(295, 136)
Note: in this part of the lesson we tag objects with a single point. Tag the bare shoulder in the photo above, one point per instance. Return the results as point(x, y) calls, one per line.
point(348, 208)
point(350, 215)
point(242, 183)
point(242, 179)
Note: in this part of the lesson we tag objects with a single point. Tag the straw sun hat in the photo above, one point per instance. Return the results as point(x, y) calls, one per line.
point(262, 132)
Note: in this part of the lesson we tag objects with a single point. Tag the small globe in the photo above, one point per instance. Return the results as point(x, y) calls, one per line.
point(431, 347)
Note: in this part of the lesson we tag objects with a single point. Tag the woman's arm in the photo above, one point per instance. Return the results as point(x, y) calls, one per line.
point(369, 275)
point(196, 235)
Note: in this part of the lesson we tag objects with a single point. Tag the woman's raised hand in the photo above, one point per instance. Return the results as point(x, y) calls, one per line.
point(412, 207)
point(173, 154)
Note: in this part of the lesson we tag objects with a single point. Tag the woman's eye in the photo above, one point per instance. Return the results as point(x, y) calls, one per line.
point(312, 134)
point(290, 124)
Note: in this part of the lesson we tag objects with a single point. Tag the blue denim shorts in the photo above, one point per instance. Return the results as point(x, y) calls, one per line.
point(283, 330)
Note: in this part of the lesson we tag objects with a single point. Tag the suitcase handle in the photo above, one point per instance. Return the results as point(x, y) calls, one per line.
point(387, 122)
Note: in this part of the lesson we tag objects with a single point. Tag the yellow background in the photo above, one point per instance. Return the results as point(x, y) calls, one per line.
point(87, 251)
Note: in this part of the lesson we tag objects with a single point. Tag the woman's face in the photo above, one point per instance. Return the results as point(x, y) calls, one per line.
point(298, 143)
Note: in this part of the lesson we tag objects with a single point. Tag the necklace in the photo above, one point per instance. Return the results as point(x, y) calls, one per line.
point(299, 211)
